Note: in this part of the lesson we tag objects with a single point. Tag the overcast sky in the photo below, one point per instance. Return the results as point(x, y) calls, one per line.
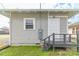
point(4, 21)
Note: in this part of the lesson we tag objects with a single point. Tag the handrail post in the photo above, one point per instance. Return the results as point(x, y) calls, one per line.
point(49, 40)
point(44, 43)
point(53, 38)
point(64, 38)
point(77, 41)
point(69, 37)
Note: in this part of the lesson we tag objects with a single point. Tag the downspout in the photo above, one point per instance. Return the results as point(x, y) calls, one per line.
point(10, 31)
point(40, 30)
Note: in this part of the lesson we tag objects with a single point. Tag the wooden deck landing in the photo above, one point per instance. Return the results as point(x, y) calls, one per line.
point(62, 44)
point(64, 40)
point(59, 44)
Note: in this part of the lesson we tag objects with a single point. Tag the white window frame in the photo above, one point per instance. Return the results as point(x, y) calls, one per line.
point(25, 23)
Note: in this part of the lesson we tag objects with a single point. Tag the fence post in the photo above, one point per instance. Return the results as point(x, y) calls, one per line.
point(40, 36)
point(77, 41)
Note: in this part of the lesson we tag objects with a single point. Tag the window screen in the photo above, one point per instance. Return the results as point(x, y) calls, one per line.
point(29, 23)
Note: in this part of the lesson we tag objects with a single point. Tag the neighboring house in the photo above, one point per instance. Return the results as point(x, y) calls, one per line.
point(28, 26)
point(4, 30)
point(73, 28)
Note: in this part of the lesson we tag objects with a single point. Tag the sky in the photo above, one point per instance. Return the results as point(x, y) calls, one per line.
point(4, 21)
point(74, 19)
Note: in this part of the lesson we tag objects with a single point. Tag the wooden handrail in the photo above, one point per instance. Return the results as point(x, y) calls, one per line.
point(54, 37)
point(47, 40)
point(57, 34)
point(47, 37)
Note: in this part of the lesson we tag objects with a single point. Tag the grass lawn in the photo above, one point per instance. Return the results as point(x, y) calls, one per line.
point(35, 51)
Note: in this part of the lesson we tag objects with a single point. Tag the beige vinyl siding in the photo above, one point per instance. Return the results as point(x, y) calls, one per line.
point(21, 36)
point(63, 25)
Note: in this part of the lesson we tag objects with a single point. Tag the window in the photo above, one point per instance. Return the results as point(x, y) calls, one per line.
point(29, 23)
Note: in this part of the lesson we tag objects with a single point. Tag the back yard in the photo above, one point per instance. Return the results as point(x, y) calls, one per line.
point(32, 50)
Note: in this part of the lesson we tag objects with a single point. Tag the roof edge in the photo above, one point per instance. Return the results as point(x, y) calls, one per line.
point(39, 9)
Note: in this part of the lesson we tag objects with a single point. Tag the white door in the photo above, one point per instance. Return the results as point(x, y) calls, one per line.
point(53, 25)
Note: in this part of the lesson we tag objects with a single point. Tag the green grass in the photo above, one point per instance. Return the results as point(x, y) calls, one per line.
point(35, 51)
point(23, 51)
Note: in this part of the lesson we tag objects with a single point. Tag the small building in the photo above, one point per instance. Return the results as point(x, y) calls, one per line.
point(28, 26)
point(73, 28)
